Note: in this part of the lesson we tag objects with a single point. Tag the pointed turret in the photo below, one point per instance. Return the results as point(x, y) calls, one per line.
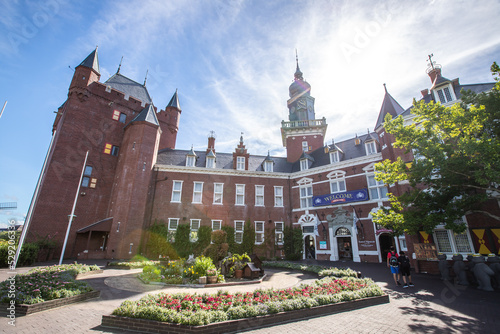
point(169, 122)
point(87, 72)
point(147, 114)
point(92, 61)
point(174, 102)
point(389, 106)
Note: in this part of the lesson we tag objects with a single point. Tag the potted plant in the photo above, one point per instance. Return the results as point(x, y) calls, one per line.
point(211, 276)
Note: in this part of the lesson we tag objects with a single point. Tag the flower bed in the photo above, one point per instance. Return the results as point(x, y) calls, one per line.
point(198, 310)
point(131, 264)
point(320, 270)
point(47, 283)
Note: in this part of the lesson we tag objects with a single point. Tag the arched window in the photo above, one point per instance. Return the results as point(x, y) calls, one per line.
point(342, 231)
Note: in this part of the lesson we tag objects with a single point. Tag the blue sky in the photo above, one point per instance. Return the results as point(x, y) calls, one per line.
point(232, 63)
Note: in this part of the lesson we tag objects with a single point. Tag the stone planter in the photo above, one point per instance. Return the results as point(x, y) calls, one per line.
point(211, 279)
point(202, 280)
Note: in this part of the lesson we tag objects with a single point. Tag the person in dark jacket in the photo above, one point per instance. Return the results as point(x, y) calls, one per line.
point(404, 269)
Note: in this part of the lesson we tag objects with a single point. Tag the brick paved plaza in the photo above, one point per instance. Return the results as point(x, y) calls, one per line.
point(432, 306)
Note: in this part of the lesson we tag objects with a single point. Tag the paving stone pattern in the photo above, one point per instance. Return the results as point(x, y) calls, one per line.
point(432, 306)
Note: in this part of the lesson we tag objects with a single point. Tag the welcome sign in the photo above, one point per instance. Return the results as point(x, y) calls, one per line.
point(339, 198)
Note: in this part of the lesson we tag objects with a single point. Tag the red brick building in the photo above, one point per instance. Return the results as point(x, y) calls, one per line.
point(135, 175)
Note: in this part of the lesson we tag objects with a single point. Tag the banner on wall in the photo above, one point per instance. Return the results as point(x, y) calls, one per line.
point(340, 198)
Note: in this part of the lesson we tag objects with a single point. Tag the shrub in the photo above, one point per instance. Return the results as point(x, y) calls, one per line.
point(183, 246)
point(218, 249)
point(293, 243)
point(204, 237)
point(248, 239)
point(157, 244)
point(199, 267)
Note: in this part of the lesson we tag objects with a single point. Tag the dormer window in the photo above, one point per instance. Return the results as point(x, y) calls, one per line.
point(268, 166)
point(190, 161)
point(334, 157)
point(210, 162)
point(304, 164)
point(445, 95)
point(371, 148)
point(240, 163)
point(191, 158)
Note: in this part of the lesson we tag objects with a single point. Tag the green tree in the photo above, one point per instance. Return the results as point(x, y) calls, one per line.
point(293, 243)
point(456, 167)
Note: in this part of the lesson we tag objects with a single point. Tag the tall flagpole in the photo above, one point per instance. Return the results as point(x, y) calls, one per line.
point(73, 210)
point(1, 112)
point(27, 221)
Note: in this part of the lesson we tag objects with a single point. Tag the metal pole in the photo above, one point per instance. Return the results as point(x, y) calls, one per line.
point(32, 204)
point(73, 210)
point(1, 112)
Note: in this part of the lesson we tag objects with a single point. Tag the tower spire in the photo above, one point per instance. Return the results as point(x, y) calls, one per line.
point(298, 73)
point(385, 88)
point(146, 78)
point(119, 66)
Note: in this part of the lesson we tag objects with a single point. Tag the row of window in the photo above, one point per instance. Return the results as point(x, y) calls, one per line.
point(240, 162)
point(239, 228)
point(370, 147)
point(376, 189)
point(219, 194)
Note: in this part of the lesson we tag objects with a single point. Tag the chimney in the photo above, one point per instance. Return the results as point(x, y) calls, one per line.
point(211, 142)
point(424, 92)
point(434, 73)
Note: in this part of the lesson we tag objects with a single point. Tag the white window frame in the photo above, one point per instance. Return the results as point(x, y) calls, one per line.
point(216, 224)
point(218, 194)
point(190, 161)
point(376, 186)
point(194, 226)
point(451, 240)
point(304, 164)
point(259, 232)
point(240, 163)
point(176, 192)
point(444, 94)
point(210, 163)
point(239, 194)
point(402, 243)
point(278, 196)
point(259, 195)
point(197, 193)
point(268, 166)
point(305, 146)
point(279, 228)
point(306, 195)
point(370, 147)
point(337, 179)
point(334, 157)
point(176, 224)
point(239, 228)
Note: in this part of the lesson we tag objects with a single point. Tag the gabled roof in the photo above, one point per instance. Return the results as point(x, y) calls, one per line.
point(174, 102)
point(147, 114)
point(439, 80)
point(92, 61)
point(389, 106)
point(129, 87)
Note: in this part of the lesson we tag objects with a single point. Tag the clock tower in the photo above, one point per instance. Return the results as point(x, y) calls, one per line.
point(303, 132)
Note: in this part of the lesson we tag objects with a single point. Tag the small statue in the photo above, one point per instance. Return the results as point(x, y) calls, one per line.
point(494, 262)
point(443, 267)
point(459, 269)
point(483, 273)
point(470, 270)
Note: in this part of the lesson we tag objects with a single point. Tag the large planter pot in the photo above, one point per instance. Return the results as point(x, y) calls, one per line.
point(202, 280)
point(211, 279)
point(238, 273)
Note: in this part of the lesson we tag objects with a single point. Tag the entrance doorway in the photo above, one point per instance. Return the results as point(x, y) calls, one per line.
point(310, 250)
point(386, 241)
point(345, 249)
point(343, 236)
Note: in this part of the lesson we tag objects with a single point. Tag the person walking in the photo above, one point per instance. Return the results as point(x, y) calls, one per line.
point(392, 262)
point(404, 269)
